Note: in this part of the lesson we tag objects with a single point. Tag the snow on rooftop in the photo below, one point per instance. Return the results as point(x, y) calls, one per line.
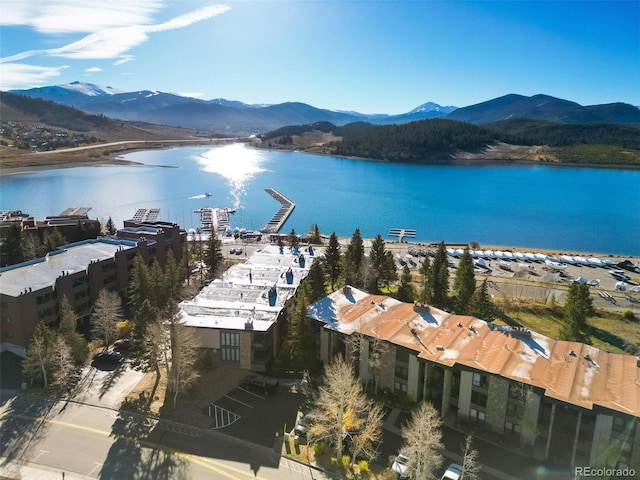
point(569, 371)
point(255, 291)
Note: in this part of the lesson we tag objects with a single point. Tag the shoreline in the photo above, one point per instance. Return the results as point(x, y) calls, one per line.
point(115, 157)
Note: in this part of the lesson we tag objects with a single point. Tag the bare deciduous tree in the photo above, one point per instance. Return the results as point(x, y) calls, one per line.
point(422, 439)
point(184, 354)
point(150, 352)
point(365, 440)
point(106, 314)
point(62, 362)
point(470, 465)
point(341, 409)
point(37, 363)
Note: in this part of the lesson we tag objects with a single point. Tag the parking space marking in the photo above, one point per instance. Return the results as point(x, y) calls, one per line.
point(240, 402)
point(98, 465)
point(42, 452)
point(251, 393)
point(222, 417)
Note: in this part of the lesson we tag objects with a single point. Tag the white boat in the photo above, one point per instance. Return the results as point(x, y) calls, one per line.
point(594, 261)
point(519, 256)
point(567, 259)
point(594, 283)
point(635, 289)
point(499, 254)
point(489, 254)
point(530, 257)
point(481, 263)
point(621, 286)
point(555, 265)
point(541, 257)
point(581, 260)
point(508, 256)
point(451, 252)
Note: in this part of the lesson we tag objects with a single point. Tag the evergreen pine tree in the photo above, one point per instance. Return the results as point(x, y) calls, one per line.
point(293, 238)
point(316, 282)
point(377, 256)
point(578, 307)
point(353, 259)
point(465, 282)
point(332, 257)
point(139, 285)
point(317, 237)
point(439, 278)
point(110, 227)
point(213, 257)
point(406, 292)
point(425, 291)
point(481, 305)
point(389, 270)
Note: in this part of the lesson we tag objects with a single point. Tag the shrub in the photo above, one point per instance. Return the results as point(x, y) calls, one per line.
point(124, 329)
point(628, 315)
point(345, 461)
point(320, 449)
point(363, 466)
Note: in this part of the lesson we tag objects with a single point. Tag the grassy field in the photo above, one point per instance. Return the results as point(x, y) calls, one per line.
point(609, 331)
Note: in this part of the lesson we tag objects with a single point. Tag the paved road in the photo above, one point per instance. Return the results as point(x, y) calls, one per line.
point(99, 442)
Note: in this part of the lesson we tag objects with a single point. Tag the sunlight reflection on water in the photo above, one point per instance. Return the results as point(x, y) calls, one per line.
point(236, 163)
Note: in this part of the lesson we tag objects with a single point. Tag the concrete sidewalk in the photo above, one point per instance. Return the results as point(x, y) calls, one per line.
point(19, 470)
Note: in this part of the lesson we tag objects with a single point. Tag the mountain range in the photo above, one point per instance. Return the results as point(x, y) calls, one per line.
point(221, 115)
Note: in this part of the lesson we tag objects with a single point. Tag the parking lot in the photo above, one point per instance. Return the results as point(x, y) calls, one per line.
point(250, 413)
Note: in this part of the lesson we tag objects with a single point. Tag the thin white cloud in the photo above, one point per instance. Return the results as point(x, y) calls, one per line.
point(16, 75)
point(124, 59)
point(113, 41)
point(77, 16)
point(92, 69)
point(189, 18)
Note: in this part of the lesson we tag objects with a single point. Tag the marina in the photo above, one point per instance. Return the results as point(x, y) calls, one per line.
point(214, 219)
point(276, 223)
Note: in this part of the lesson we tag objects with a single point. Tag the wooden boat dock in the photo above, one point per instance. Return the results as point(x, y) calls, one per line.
point(282, 215)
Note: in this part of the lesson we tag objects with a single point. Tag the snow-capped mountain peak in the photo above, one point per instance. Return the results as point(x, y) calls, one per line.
point(91, 89)
point(433, 107)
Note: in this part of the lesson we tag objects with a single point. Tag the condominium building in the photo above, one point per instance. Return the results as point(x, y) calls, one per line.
point(563, 401)
point(31, 292)
point(242, 317)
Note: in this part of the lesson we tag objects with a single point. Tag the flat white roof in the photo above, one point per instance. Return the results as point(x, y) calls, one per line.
point(73, 258)
point(253, 292)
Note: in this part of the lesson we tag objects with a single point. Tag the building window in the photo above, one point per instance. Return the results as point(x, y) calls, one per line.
point(230, 346)
point(477, 415)
point(512, 428)
point(229, 339)
point(400, 388)
point(230, 354)
point(479, 398)
point(402, 355)
point(516, 391)
point(402, 372)
point(481, 381)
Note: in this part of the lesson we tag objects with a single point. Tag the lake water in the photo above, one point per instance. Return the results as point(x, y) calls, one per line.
point(569, 209)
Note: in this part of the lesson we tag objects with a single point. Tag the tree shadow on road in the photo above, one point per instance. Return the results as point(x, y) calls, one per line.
point(22, 423)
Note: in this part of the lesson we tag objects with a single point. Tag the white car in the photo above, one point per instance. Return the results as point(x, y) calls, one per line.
point(454, 472)
point(401, 465)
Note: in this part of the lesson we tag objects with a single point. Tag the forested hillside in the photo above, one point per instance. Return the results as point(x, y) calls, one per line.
point(412, 141)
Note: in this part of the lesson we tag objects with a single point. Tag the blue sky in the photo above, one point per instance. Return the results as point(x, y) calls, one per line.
point(366, 56)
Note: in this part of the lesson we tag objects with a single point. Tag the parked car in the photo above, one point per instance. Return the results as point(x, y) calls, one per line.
point(302, 426)
point(108, 356)
point(453, 472)
point(122, 344)
point(268, 385)
point(401, 465)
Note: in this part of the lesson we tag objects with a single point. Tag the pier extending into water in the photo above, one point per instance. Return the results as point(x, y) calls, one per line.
point(214, 219)
point(276, 223)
